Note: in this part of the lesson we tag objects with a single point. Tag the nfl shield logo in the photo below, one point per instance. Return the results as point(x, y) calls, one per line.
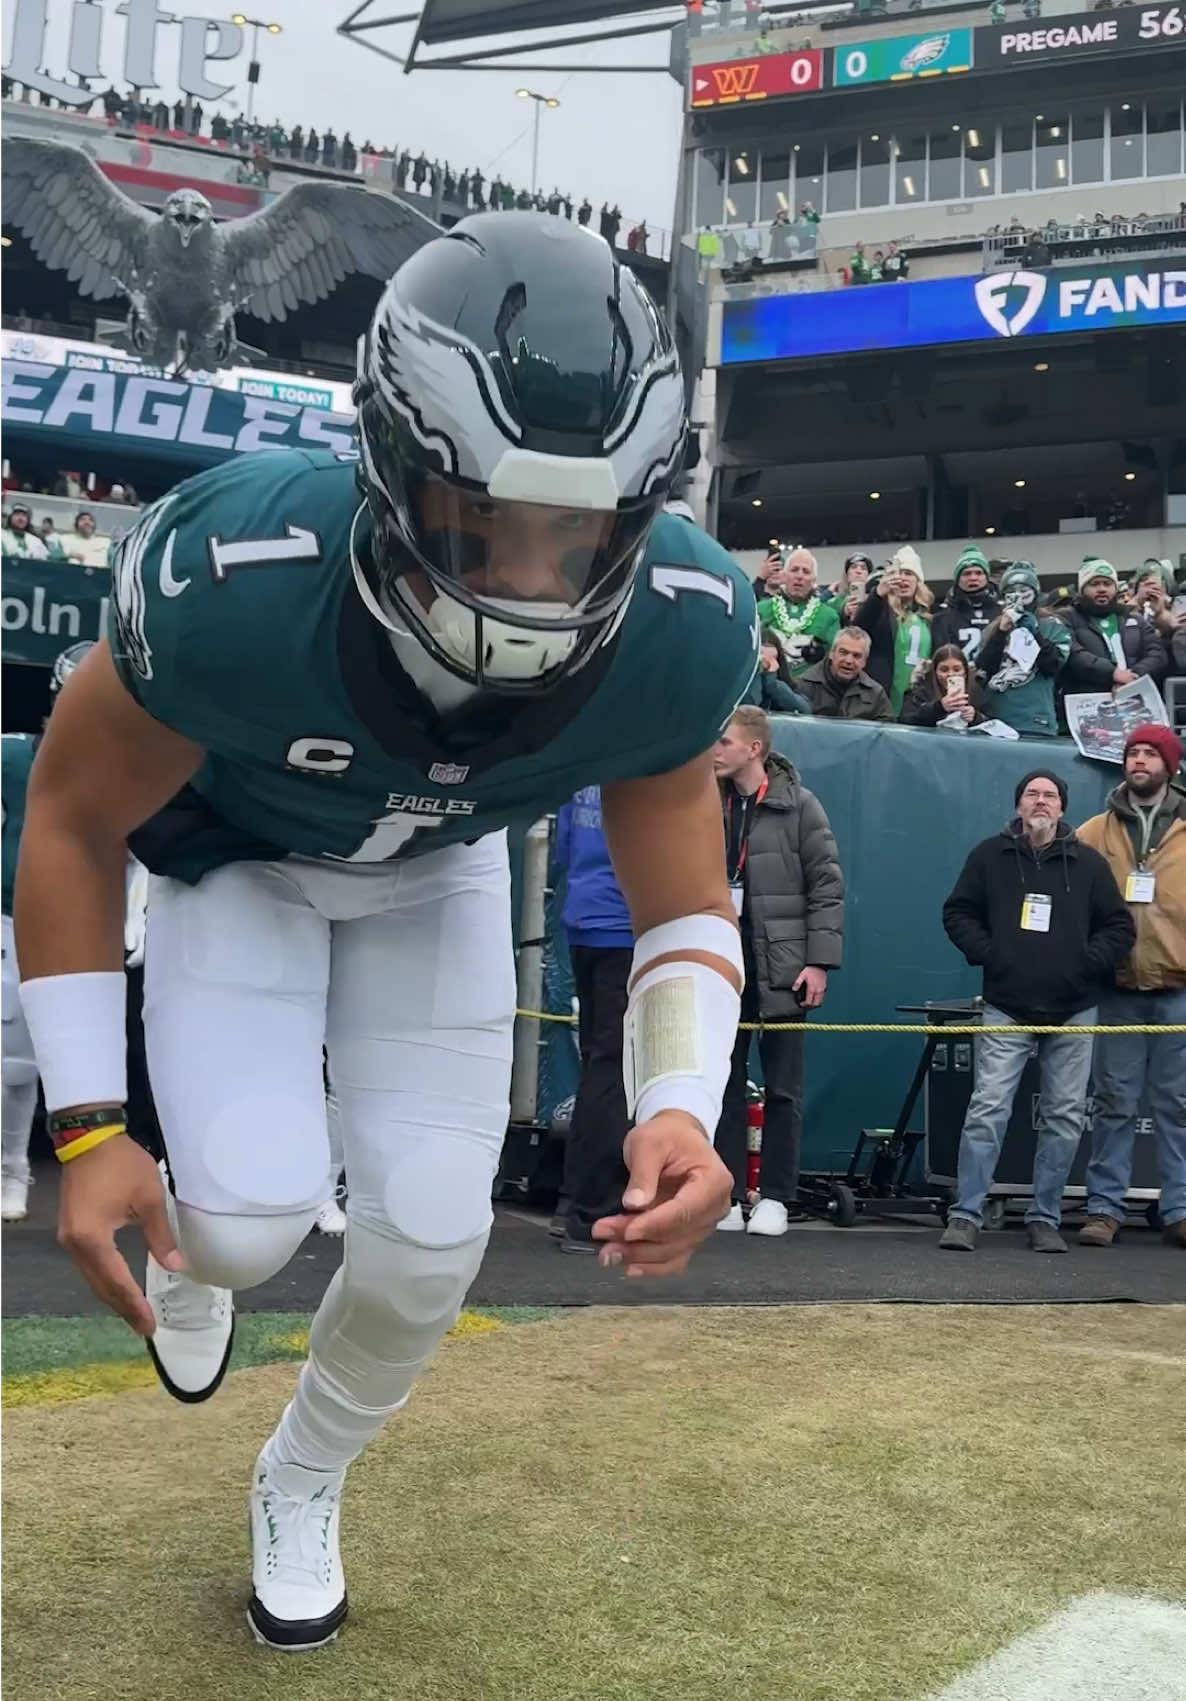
point(448, 774)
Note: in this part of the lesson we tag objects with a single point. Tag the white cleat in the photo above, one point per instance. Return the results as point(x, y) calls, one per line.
point(331, 1219)
point(14, 1199)
point(195, 1330)
point(195, 1325)
point(769, 1216)
point(298, 1596)
point(734, 1223)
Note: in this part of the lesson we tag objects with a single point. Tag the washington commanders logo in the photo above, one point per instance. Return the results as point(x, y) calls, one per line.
point(735, 82)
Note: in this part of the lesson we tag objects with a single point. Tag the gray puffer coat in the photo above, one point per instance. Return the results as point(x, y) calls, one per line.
point(794, 890)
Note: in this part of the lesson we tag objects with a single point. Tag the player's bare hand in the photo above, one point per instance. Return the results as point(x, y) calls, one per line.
point(103, 1190)
point(678, 1192)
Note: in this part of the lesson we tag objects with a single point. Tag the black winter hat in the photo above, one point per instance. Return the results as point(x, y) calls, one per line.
point(1056, 780)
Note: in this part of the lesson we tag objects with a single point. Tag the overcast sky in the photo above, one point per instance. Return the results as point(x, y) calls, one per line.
point(612, 137)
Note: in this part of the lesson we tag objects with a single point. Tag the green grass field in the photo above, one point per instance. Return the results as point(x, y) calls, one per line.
point(830, 1503)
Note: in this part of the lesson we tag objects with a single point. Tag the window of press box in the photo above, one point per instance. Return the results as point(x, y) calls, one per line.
point(1083, 144)
point(1052, 152)
point(842, 177)
point(741, 196)
point(980, 161)
point(1087, 144)
point(1128, 141)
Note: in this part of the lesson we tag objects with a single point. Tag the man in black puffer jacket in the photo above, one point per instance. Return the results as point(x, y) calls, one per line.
point(1041, 913)
point(970, 605)
point(1110, 645)
point(789, 895)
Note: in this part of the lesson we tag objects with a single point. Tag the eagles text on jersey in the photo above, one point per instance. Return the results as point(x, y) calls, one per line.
point(235, 621)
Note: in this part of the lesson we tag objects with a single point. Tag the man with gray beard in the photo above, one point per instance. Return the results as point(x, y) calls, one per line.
point(1041, 914)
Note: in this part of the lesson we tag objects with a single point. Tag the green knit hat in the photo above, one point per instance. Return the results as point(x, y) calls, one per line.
point(1020, 573)
point(1153, 568)
point(1095, 567)
point(972, 556)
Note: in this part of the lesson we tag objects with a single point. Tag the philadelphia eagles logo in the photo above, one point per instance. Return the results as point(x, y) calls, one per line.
point(925, 52)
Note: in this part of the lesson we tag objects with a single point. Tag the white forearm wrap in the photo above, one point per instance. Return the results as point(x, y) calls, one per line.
point(79, 1029)
point(681, 1021)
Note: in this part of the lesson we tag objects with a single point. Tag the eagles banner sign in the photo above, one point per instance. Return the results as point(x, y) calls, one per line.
point(937, 311)
point(191, 424)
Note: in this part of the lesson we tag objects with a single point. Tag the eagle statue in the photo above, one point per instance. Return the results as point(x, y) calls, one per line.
point(186, 276)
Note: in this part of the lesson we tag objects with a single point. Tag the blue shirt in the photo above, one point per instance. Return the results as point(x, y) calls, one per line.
point(595, 912)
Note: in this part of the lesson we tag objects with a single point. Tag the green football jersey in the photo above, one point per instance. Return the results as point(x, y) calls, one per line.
point(236, 621)
point(16, 758)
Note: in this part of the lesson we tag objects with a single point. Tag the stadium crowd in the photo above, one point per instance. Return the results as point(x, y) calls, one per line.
point(268, 145)
point(998, 653)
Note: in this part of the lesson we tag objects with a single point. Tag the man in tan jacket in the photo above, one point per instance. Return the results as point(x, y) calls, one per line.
point(1142, 835)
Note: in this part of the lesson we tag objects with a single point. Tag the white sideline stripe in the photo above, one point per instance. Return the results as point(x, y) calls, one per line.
point(1100, 1648)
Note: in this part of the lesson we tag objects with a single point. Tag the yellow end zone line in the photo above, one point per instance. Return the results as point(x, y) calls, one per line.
point(84, 1381)
point(941, 1028)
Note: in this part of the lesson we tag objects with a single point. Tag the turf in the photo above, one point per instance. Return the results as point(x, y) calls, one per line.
point(50, 1359)
point(812, 1504)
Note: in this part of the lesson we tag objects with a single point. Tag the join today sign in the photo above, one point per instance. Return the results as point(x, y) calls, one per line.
point(938, 311)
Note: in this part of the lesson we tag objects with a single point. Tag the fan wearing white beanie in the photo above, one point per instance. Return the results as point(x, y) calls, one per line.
point(898, 620)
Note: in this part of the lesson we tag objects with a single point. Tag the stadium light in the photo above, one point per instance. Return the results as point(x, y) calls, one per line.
point(256, 25)
point(540, 102)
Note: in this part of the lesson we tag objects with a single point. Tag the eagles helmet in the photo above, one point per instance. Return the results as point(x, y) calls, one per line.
point(66, 662)
point(521, 423)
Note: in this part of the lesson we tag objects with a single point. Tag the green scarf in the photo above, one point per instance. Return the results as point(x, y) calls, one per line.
point(912, 645)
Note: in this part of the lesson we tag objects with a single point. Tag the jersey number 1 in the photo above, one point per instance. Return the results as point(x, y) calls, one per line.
point(670, 582)
point(390, 834)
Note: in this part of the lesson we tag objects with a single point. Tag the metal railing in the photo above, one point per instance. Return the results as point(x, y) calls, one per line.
point(1052, 242)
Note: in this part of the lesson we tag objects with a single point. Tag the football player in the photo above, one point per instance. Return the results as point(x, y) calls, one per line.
point(329, 687)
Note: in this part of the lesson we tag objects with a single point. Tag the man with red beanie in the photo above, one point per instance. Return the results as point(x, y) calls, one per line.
point(1142, 836)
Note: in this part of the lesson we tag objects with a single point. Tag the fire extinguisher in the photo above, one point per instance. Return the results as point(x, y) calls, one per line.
point(755, 1116)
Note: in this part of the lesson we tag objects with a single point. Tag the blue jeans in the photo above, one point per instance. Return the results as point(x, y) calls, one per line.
point(1064, 1063)
point(1125, 1065)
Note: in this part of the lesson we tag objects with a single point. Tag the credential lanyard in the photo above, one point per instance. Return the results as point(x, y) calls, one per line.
point(750, 806)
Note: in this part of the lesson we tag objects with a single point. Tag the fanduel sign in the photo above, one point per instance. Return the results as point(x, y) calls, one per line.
point(952, 310)
point(202, 39)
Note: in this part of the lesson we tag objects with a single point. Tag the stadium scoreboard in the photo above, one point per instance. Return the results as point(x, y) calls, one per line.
point(939, 53)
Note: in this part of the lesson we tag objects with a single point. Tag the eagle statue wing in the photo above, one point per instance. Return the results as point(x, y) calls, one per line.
point(311, 237)
point(76, 220)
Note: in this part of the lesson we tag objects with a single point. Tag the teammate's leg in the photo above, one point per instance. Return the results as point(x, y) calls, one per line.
point(236, 974)
point(20, 1088)
point(421, 1011)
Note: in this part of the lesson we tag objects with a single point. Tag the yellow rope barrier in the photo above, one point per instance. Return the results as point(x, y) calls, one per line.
point(908, 1027)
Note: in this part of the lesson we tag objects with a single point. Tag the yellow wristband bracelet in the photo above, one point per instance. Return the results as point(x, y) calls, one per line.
point(86, 1142)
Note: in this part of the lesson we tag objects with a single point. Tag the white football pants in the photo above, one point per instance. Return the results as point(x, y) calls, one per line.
point(405, 974)
point(19, 1068)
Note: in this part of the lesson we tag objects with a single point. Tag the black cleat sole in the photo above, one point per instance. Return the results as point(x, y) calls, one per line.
point(187, 1396)
point(294, 1635)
